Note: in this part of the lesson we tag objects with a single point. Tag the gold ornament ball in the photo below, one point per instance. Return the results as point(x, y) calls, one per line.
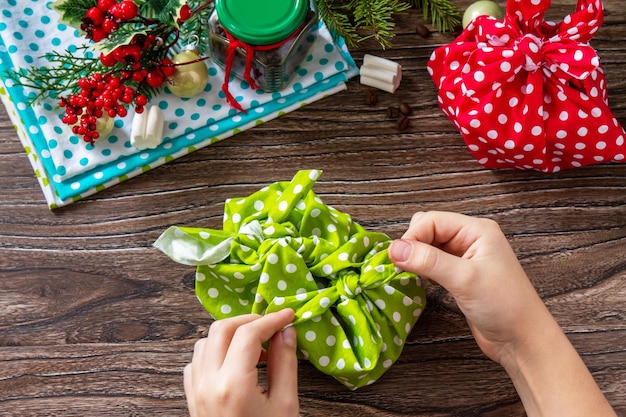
point(481, 8)
point(104, 125)
point(190, 79)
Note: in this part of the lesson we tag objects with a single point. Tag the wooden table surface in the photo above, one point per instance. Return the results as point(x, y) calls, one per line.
point(96, 322)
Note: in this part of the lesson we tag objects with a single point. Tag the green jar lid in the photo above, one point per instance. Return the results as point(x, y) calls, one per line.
point(260, 22)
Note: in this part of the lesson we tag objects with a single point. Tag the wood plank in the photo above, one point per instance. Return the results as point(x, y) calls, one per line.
point(96, 322)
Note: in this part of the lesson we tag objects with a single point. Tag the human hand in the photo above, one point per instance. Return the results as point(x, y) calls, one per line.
point(473, 260)
point(222, 379)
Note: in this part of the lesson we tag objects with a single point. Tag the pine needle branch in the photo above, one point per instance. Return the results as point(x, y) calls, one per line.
point(58, 78)
point(336, 15)
point(376, 17)
point(445, 16)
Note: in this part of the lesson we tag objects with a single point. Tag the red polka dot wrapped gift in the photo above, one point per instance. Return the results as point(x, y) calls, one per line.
point(526, 93)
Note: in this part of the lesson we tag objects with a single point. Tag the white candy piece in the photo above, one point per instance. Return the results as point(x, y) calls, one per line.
point(383, 63)
point(154, 128)
point(376, 83)
point(138, 129)
point(380, 73)
point(147, 129)
point(385, 76)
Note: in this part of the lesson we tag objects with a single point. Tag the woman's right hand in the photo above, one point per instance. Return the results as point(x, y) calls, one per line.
point(473, 260)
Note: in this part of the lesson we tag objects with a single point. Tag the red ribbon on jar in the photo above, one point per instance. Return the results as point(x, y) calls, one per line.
point(233, 44)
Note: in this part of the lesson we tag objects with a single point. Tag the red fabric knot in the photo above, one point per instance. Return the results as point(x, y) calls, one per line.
point(531, 46)
point(530, 94)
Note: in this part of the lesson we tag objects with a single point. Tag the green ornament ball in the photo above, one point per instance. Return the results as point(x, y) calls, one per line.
point(481, 8)
point(189, 79)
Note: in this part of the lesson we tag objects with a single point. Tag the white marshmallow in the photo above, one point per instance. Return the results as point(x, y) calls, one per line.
point(147, 128)
point(380, 73)
point(154, 128)
point(138, 128)
point(376, 83)
point(383, 63)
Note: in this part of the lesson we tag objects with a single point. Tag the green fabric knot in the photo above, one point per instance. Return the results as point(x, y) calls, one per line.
point(347, 284)
point(282, 247)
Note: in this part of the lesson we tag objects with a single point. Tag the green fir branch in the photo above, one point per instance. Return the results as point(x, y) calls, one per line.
point(73, 11)
point(60, 76)
point(376, 17)
point(357, 20)
point(196, 29)
point(445, 16)
point(336, 15)
point(165, 11)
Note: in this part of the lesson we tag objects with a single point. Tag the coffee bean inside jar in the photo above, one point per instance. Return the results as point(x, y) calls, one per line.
point(261, 42)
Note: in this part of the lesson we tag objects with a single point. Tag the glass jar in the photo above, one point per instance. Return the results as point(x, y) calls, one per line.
point(268, 40)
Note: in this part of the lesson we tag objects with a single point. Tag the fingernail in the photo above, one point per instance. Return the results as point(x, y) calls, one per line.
point(289, 336)
point(400, 250)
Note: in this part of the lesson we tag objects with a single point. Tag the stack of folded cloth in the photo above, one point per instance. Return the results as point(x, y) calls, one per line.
point(69, 169)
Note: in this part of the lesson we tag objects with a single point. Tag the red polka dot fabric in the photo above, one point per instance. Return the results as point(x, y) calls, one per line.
point(530, 94)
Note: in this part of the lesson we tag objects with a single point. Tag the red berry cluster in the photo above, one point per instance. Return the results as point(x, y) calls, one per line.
point(102, 20)
point(129, 56)
point(131, 67)
point(99, 94)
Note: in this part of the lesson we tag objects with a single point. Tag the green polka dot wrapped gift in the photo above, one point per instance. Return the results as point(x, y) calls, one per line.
point(282, 247)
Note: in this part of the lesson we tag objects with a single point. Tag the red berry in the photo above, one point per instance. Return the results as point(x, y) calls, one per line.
point(148, 42)
point(125, 10)
point(105, 5)
point(130, 54)
point(167, 66)
point(141, 100)
point(84, 83)
point(138, 76)
point(108, 60)
point(97, 34)
point(109, 25)
point(184, 13)
point(95, 15)
point(155, 79)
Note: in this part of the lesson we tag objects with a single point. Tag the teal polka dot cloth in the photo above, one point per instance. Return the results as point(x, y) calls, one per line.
point(282, 247)
point(69, 169)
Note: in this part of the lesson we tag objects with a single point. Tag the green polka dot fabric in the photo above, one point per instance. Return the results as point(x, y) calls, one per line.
point(69, 169)
point(282, 247)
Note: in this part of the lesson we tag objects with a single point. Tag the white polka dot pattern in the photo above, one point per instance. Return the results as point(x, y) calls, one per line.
point(530, 94)
point(69, 169)
point(354, 309)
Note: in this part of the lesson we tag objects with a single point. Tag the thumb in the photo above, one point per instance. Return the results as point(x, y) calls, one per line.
point(428, 261)
point(282, 368)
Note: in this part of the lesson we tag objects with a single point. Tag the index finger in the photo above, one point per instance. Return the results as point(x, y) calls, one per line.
point(246, 344)
point(455, 233)
point(210, 352)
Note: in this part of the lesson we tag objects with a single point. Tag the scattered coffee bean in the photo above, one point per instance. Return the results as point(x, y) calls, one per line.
point(422, 30)
point(393, 112)
point(405, 109)
point(403, 122)
point(371, 97)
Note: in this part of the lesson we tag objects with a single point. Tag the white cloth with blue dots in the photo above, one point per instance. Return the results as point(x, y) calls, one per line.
point(69, 169)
